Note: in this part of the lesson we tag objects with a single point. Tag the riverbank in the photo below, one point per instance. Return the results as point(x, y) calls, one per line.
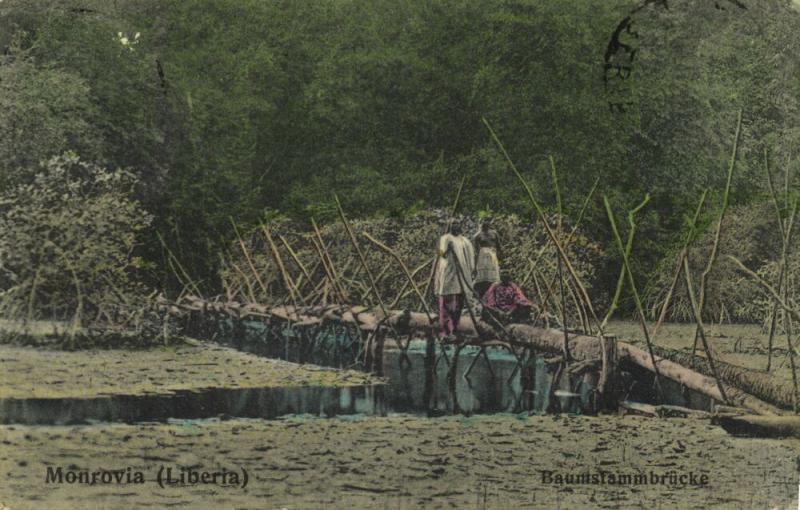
point(403, 462)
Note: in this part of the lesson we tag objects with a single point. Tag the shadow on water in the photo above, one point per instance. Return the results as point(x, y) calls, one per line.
point(417, 383)
point(405, 392)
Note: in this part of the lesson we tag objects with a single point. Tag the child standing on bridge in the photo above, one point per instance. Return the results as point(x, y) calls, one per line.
point(487, 267)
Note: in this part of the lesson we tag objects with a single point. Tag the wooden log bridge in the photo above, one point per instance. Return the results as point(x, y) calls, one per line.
point(590, 350)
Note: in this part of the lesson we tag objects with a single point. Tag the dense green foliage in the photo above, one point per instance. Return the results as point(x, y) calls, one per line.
point(238, 109)
point(67, 244)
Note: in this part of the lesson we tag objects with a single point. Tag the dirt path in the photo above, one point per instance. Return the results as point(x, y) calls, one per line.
point(402, 462)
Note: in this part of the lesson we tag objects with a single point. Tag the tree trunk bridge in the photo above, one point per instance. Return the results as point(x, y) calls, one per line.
point(589, 353)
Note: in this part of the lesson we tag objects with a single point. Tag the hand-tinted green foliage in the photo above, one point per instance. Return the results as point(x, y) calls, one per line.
point(43, 111)
point(230, 108)
point(68, 241)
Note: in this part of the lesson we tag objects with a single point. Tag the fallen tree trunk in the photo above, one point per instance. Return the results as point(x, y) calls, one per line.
point(760, 426)
point(581, 347)
point(758, 384)
point(696, 381)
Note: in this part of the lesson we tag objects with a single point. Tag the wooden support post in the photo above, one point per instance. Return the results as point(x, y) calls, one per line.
point(368, 352)
point(473, 363)
point(451, 378)
point(380, 339)
point(553, 405)
point(609, 372)
point(430, 368)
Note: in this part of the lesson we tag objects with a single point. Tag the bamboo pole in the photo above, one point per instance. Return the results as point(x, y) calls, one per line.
point(246, 282)
point(565, 346)
point(783, 269)
point(294, 257)
point(715, 247)
point(568, 242)
point(403, 293)
point(172, 258)
point(634, 291)
point(402, 265)
point(548, 229)
point(567, 245)
point(379, 278)
point(325, 257)
point(628, 249)
point(548, 294)
point(684, 251)
point(325, 268)
point(360, 255)
point(248, 259)
point(697, 316)
point(294, 294)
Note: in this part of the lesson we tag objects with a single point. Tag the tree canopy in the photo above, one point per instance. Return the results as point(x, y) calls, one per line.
point(239, 109)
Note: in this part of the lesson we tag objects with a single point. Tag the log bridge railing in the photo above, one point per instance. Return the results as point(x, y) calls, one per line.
point(601, 355)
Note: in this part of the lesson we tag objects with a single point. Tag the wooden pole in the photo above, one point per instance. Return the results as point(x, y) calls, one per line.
point(408, 274)
point(715, 247)
point(698, 317)
point(634, 291)
point(294, 294)
point(323, 253)
point(360, 255)
point(548, 229)
point(247, 257)
point(679, 267)
point(403, 293)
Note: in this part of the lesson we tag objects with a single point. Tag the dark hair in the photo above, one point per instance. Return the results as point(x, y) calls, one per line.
point(455, 229)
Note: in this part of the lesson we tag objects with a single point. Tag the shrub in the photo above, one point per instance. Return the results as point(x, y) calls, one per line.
point(67, 246)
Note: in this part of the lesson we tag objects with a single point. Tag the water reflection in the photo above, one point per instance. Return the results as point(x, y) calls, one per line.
point(408, 391)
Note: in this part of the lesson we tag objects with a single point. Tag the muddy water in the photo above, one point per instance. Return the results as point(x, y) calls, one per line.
point(496, 384)
point(485, 391)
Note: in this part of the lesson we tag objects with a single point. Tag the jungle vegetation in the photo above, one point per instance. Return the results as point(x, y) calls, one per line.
point(208, 113)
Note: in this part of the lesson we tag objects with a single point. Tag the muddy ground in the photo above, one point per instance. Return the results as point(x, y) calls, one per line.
point(394, 462)
point(28, 372)
point(402, 462)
